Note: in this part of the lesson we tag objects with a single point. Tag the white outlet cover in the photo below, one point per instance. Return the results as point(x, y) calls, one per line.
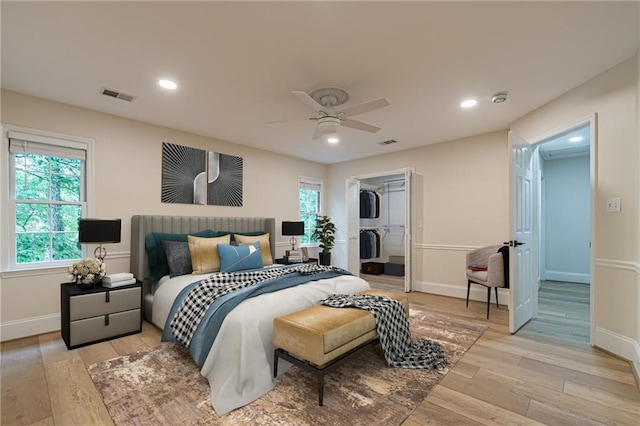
point(613, 205)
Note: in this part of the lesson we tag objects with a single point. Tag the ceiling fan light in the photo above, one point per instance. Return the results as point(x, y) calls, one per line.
point(333, 139)
point(328, 125)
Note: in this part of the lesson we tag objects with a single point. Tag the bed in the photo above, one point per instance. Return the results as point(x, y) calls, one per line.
point(239, 364)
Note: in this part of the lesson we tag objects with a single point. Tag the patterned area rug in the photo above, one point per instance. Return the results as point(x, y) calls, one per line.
point(163, 386)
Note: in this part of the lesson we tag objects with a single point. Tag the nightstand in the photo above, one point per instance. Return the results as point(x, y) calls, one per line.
point(282, 261)
point(99, 313)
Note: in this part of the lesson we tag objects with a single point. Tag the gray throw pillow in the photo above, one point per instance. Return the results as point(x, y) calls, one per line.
point(178, 257)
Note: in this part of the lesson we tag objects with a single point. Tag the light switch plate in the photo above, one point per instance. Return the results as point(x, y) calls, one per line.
point(613, 205)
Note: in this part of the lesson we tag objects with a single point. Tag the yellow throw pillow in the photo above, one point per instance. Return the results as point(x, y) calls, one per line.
point(204, 253)
point(265, 247)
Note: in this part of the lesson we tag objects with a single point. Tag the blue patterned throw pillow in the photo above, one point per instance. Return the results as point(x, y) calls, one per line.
point(240, 258)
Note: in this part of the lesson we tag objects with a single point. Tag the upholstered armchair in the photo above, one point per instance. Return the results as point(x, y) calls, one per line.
point(488, 266)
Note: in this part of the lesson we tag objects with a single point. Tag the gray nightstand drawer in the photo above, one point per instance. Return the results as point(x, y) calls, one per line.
point(107, 302)
point(92, 329)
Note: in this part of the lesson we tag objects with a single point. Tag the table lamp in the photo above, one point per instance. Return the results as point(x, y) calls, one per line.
point(294, 229)
point(99, 231)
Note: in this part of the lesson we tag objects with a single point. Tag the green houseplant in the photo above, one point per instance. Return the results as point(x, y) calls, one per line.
point(325, 233)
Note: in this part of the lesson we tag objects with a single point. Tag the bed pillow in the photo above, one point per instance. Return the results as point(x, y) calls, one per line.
point(246, 234)
point(178, 257)
point(265, 247)
point(157, 258)
point(204, 253)
point(240, 258)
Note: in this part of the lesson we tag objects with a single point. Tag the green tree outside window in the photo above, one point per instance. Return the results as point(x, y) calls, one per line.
point(309, 197)
point(47, 193)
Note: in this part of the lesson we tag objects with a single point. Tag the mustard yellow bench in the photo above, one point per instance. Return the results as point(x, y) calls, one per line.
point(321, 338)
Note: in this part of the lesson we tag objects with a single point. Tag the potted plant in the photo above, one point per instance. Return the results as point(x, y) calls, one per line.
point(324, 232)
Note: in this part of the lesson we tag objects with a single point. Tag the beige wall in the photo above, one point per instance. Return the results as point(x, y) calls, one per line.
point(128, 157)
point(462, 201)
point(613, 96)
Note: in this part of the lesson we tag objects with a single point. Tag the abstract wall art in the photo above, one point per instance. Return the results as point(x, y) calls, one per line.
point(183, 174)
point(224, 181)
point(195, 176)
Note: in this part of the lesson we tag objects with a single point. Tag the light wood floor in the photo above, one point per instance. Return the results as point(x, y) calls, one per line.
point(502, 379)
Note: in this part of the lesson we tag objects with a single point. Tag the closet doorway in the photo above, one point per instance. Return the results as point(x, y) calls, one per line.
point(379, 218)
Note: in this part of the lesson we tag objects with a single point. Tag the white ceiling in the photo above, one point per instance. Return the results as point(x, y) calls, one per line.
point(236, 63)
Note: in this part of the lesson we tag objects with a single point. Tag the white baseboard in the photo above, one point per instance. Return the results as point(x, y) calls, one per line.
point(623, 346)
point(29, 327)
point(477, 292)
point(571, 277)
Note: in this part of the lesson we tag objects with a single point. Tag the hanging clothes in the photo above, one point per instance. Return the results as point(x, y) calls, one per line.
point(369, 204)
point(369, 244)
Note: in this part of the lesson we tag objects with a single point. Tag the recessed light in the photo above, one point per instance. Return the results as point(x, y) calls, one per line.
point(575, 139)
point(468, 103)
point(333, 140)
point(168, 84)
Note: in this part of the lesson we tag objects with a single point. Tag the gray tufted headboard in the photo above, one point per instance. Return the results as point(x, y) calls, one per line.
point(141, 225)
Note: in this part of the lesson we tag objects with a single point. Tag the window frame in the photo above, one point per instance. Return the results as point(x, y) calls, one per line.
point(58, 141)
point(310, 181)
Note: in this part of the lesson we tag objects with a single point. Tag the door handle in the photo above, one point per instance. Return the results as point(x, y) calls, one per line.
point(513, 243)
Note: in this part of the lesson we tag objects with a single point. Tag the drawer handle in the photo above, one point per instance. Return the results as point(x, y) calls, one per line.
point(106, 319)
point(106, 296)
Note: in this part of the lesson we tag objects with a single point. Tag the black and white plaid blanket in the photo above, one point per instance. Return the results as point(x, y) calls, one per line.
point(195, 304)
point(393, 330)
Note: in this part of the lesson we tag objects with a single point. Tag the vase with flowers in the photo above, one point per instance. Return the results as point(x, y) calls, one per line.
point(87, 272)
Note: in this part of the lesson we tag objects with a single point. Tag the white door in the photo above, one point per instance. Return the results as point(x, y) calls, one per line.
point(353, 226)
point(408, 243)
point(521, 273)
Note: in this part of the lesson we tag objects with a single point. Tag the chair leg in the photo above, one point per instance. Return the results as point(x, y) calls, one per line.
point(497, 304)
point(488, 300)
point(468, 288)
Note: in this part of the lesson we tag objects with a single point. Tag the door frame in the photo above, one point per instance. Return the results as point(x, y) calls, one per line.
point(592, 121)
point(354, 237)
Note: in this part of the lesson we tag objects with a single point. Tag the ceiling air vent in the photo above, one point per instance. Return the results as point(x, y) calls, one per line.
point(389, 142)
point(117, 95)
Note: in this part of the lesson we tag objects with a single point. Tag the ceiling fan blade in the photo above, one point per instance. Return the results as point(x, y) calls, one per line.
point(364, 107)
point(359, 125)
point(317, 134)
point(308, 100)
point(289, 121)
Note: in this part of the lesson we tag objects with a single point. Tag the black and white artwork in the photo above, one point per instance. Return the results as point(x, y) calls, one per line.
point(224, 180)
point(183, 174)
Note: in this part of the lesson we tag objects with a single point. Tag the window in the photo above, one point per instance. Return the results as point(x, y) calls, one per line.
point(46, 200)
point(309, 194)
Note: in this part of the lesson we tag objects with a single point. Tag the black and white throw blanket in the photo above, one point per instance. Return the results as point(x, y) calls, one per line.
point(393, 330)
point(195, 304)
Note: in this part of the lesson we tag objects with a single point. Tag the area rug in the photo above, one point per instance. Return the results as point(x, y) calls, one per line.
point(162, 385)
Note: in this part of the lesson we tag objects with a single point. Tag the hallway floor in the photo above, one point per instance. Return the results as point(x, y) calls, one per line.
point(563, 313)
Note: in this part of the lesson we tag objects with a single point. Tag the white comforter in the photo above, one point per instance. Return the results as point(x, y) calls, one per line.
point(239, 366)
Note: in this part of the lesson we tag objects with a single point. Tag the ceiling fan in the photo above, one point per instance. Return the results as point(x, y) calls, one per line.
point(329, 119)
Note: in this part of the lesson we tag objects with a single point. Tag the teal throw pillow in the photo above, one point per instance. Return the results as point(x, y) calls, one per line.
point(156, 255)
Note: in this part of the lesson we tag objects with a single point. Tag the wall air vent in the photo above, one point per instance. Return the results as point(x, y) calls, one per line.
point(389, 142)
point(117, 95)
